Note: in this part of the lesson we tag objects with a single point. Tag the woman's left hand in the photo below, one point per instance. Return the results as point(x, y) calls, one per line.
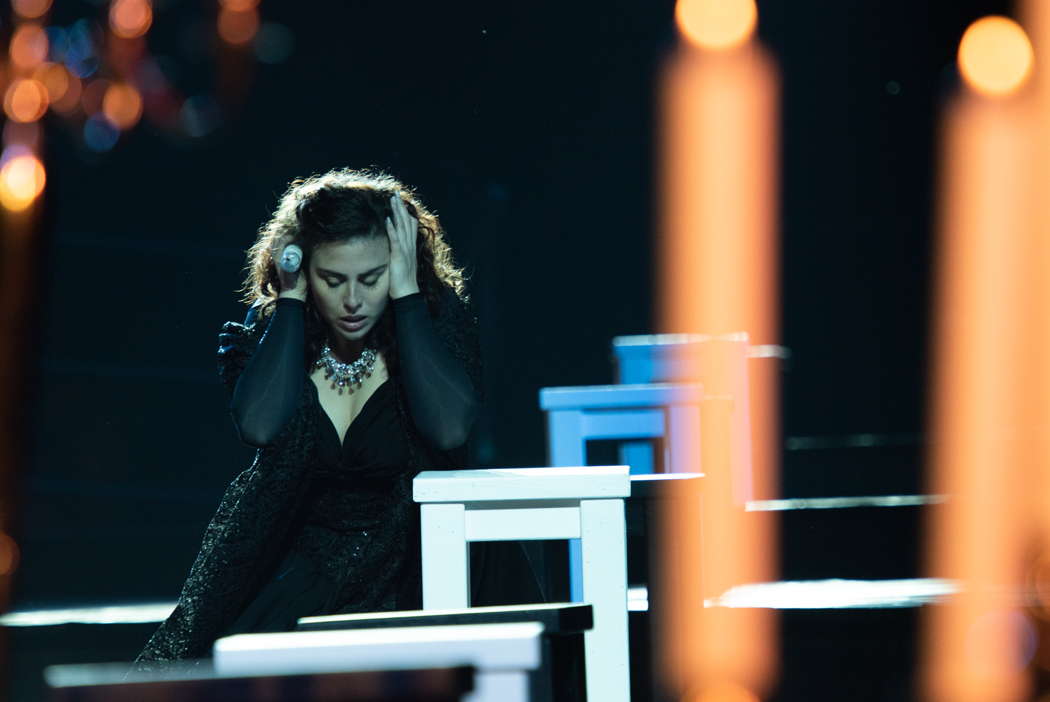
point(402, 230)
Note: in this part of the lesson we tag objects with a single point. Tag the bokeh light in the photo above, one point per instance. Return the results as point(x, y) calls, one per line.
point(995, 56)
point(238, 28)
point(122, 105)
point(723, 692)
point(26, 134)
point(99, 134)
point(25, 100)
point(55, 78)
point(79, 52)
point(70, 100)
point(274, 43)
point(22, 179)
point(28, 47)
point(8, 554)
point(239, 5)
point(130, 18)
point(716, 24)
point(199, 116)
point(93, 95)
point(30, 9)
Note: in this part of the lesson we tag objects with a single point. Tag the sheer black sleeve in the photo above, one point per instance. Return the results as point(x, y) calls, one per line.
point(267, 392)
point(441, 397)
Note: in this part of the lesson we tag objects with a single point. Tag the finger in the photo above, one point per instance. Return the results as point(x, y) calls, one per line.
point(391, 232)
point(396, 207)
point(403, 213)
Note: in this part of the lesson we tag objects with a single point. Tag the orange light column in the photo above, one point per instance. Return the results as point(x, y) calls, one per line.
point(982, 365)
point(1036, 17)
point(718, 256)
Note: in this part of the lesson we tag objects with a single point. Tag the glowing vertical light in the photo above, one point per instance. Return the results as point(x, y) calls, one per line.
point(718, 256)
point(982, 370)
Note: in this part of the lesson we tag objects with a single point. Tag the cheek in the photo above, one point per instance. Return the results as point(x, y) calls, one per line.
point(324, 297)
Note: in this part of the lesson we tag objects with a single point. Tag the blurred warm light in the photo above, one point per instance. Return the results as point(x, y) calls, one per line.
point(718, 276)
point(25, 100)
point(239, 5)
point(8, 547)
point(130, 18)
point(122, 105)
point(238, 27)
point(26, 134)
point(70, 99)
point(1037, 586)
point(22, 179)
point(30, 9)
point(93, 95)
point(995, 56)
point(28, 46)
point(983, 369)
point(55, 78)
point(724, 692)
point(716, 24)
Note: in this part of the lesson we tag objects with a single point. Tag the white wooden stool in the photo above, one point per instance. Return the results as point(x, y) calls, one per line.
point(520, 504)
point(503, 654)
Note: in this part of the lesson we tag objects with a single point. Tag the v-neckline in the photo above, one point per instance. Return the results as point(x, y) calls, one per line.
point(342, 442)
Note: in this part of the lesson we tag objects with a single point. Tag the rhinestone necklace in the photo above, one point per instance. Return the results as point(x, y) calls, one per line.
point(344, 374)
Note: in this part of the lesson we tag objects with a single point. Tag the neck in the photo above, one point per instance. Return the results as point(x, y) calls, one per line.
point(345, 350)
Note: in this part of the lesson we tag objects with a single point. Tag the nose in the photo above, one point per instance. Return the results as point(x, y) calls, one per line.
point(352, 298)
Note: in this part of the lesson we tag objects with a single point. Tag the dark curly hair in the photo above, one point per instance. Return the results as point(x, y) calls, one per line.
point(338, 206)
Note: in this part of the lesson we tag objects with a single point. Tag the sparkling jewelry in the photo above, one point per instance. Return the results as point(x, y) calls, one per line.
point(344, 374)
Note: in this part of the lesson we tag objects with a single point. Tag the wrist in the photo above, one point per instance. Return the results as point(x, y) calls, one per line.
point(403, 292)
point(292, 295)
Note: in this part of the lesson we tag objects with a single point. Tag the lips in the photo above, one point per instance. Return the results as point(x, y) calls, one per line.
point(353, 323)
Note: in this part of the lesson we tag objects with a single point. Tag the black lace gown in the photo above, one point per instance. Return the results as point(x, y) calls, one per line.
point(348, 547)
point(316, 527)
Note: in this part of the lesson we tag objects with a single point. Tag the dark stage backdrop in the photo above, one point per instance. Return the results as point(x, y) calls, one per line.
point(529, 128)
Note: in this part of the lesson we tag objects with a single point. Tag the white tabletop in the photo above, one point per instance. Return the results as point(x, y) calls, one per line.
point(486, 646)
point(498, 484)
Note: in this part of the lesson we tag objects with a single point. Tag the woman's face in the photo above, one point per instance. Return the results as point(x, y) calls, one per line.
point(350, 285)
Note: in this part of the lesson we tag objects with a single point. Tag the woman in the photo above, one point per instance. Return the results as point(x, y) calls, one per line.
point(350, 376)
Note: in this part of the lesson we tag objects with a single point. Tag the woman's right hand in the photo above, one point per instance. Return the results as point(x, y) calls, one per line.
point(293, 285)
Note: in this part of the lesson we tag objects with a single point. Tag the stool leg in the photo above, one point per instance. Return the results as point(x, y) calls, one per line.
point(638, 455)
point(446, 566)
point(603, 532)
point(566, 446)
point(575, 570)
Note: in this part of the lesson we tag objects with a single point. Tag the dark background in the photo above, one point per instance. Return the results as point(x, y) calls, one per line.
point(529, 128)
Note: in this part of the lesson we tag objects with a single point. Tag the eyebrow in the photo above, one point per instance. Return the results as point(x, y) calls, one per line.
point(377, 269)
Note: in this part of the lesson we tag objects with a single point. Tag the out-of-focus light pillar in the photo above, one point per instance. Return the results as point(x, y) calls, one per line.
point(718, 275)
point(983, 369)
point(1035, 15)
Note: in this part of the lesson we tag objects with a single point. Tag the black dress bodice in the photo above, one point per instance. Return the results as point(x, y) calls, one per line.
point(353, 548)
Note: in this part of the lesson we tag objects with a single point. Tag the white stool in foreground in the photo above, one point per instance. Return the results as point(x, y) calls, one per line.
point(502, 653)
point(521, 504)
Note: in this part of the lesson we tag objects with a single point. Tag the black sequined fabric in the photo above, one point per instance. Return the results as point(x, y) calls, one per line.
point(346, 512)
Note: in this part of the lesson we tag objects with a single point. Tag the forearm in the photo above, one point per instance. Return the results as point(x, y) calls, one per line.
point(268, 390)
point(442, 400)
